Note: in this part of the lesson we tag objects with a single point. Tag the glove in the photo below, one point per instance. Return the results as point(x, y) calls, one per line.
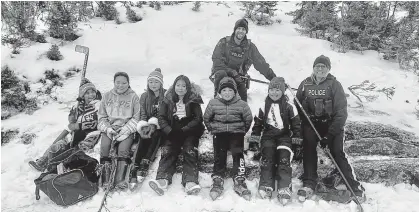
point(73, 126)
point(124, 132)
point(254, 143)
point(152, 130)
point(324, 142)
point(144, 131)
point(90, 141)
point(110, 132)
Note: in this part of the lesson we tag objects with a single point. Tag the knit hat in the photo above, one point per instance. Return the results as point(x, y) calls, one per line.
point(84, 86)
point(227, 82)
point(117, 74)
point(324, 60)
point(156, 74)
point(277, 82)
point(242, 23)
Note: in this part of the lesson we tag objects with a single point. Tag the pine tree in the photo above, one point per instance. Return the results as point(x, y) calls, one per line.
point(61, 21)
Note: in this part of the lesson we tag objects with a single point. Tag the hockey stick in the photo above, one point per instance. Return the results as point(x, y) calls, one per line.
point(328, 152)
point(112, 176)
point(85, 51)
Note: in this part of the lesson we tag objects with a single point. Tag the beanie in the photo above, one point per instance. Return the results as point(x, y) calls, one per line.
point(84, 86)
point(242, 23)
point(227, 82)
point(277, 82)
point(324, 60)
point(156, 74)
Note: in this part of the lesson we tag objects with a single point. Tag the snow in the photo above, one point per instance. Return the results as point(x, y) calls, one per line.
point(181, 41)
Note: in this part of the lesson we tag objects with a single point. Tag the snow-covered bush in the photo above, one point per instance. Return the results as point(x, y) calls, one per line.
point(13, 99)
point(7, 135)
point(71, 72)
point(260, 12)
point(132, 16)
point(196, 6)
point(62, 23)
point(107, 10)
point(27, 138)
point(157, 5)
point(54, 53)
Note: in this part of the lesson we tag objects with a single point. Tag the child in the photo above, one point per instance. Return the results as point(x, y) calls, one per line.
point(149, 142)
point(119, 114)
point(228, 118)
point(83, 123)
point(277, 122)
point(180, 119)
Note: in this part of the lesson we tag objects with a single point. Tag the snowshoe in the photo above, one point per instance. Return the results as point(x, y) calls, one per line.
point(284, 195)
point(241, 189)
point(265, 192)
point(192, 188)
point(216, 188)
point(158, 186)
point(304, 193)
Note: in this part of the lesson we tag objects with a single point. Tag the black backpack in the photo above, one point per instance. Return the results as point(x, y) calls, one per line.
point(71, 187)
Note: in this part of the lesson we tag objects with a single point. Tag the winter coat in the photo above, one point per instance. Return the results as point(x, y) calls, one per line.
point(334, 108)
point(232, 116)
point(148, 114)
point(289, 116)
point(119, 110)
point(85, 115)
point(192, 123)
point(228, 55)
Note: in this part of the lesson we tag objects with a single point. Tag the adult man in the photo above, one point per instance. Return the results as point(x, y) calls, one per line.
point(233, 57)
point(323, 99)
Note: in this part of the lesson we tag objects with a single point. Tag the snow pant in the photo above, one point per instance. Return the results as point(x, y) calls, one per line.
point(310, 140)
point(187, 146)
point(146, 152)
point(61, 146)
point(241, 85)
point(275, 164)
point(222, 142)
point(123, 147)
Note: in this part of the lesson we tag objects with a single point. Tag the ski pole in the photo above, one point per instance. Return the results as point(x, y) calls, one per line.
point(327, 152)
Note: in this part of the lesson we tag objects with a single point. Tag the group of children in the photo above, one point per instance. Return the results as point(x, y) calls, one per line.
point(175, 119)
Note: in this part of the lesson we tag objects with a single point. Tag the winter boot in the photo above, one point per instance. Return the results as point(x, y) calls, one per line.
point(360, 193)
point(133, 182)
point(333, 179)
point(240, 188)
point(332, 194)
point(40, 164)
point(159, 186)
point(121, 170)
point(265, 192)
point(304, 193)
point(284, 195)
point(191, 188)
point(143, 170)
point(105, 177)
point(217, 187)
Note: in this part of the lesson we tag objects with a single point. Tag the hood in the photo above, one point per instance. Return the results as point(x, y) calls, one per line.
point(196, 92)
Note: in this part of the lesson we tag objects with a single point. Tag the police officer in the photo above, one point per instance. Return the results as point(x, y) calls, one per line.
point(233, 57)
point(323, 99)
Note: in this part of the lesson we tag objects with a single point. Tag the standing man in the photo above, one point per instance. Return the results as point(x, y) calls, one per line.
point(323, 99)
point(233, 57)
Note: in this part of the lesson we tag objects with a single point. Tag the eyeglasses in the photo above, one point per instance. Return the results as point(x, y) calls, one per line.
point(320, 66)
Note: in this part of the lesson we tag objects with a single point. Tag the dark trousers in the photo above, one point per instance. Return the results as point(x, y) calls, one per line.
point(276, 158)
point(222, 143)
point(188, 147)
point(310, 155)
point(147, 148)
point(241, 86)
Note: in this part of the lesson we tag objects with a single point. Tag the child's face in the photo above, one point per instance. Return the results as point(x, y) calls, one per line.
point(275, 94)
point(121, 84)
point(227, 93)
point(180, 88)
point(154, 84)
point(89, 96)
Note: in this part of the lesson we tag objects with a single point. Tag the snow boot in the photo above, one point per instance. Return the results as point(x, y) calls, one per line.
point(304, 193)
point(133, 182)
point(284, 195)
point(265, 192)
point(39, 164)
point(360, 194)
point(106, 171)
point(191, 188)
point(121, 170)
point(217, 187)
point(240, 188)
point(159, 186)
point(332, 194)
point(333, 179)
point(138, 174)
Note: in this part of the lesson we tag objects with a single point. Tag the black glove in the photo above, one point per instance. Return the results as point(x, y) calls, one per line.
point(324, 142)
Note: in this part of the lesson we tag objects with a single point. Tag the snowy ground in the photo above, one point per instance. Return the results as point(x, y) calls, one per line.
point(181, 41)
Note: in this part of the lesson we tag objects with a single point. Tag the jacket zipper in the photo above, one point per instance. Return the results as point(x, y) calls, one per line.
point(227, 117)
